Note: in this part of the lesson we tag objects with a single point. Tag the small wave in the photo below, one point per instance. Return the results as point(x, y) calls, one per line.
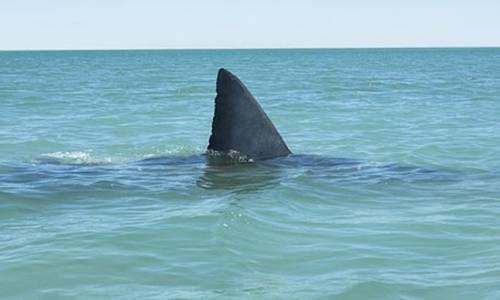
point(77, 157)
point(89, 157)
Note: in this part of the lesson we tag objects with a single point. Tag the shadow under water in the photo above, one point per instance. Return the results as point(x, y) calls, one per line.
point(244, 176)
point(200, 171)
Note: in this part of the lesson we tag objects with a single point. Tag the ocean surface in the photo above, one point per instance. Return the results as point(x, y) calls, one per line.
point(393, 191)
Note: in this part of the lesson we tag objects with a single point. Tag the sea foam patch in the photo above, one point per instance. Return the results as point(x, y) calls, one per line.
point(90, 157)
point(77, 157)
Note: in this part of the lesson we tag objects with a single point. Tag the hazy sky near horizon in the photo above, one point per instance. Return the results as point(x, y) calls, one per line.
point(145, 24)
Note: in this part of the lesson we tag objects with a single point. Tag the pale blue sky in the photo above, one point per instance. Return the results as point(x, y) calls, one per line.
point(132, 24)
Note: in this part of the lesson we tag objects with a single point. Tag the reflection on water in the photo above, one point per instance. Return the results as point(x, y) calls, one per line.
point(245, 177)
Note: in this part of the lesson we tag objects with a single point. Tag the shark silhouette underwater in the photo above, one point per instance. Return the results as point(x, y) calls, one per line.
point(245, 150)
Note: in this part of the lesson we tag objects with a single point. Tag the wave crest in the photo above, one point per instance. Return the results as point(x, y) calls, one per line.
point(76, 157)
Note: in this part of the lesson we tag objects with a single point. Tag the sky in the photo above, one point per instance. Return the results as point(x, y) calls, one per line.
point(194, 24)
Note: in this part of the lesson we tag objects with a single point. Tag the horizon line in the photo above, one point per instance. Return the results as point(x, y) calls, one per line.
point(247, 48)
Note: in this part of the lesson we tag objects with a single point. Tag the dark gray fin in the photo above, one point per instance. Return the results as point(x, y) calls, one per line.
point(240, 124)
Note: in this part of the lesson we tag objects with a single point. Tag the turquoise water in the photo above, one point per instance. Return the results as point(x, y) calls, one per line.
point(394, 192)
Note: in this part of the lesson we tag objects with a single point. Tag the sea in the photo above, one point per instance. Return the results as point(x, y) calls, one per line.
point(392, 191)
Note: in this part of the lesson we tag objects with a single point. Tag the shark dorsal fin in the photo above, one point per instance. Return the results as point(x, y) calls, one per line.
point(240, 124)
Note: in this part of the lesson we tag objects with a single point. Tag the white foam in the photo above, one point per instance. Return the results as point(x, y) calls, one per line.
point(230, 156)
point(89, 157)
point(77, 157)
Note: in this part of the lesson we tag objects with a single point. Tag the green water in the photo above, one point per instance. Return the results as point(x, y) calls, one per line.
point(394, 191)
